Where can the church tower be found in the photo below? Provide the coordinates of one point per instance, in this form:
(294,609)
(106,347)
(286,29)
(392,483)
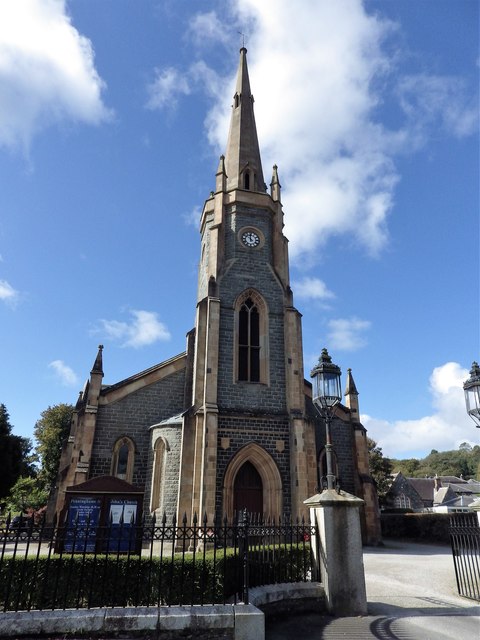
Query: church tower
(229,424)
(246,436)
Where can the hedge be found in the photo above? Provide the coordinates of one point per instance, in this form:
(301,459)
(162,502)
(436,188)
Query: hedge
(427,527)
(77,581)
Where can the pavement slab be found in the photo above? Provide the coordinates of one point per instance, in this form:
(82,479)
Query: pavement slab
(411,594)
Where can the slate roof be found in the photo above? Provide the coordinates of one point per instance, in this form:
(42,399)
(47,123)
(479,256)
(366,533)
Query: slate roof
(424,487)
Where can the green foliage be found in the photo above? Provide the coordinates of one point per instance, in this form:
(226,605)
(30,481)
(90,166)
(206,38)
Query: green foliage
(27,494)
(92,581)
(463,462)
(12,452)
(50,432)
(380,468)
(431,527)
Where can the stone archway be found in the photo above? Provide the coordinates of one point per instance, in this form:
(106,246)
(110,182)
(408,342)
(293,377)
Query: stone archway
(268,472)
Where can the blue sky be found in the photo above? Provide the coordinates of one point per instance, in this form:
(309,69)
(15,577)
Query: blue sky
(112,118)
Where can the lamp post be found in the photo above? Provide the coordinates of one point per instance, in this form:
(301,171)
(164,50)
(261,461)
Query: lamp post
(327,393)
(472,393)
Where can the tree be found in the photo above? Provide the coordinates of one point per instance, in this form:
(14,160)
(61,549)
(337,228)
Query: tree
(380,468)
(12,451)
(26,495)
(51,431)
(409,467)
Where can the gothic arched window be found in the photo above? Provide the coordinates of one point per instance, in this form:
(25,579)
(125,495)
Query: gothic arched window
(249,342)
(122,459)
(252,338)
(160,448)
(246,180)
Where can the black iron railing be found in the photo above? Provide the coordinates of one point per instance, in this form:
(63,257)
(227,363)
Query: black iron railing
(83,564)
(465,540)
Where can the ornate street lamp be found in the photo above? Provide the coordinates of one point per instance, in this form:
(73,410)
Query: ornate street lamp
(327,393)
(472,393)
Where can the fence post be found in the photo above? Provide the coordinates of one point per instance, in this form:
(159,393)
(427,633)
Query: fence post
(338,552)
(243,553)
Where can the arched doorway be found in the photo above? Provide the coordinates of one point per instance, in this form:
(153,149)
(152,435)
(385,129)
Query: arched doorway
(271,481)
(248,490)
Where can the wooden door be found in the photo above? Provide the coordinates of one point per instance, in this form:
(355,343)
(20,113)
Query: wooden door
(248,490)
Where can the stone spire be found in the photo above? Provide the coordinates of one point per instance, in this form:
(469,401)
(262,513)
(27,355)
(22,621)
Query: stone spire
(351,395)
(98,364)
(242,159)
(275,186)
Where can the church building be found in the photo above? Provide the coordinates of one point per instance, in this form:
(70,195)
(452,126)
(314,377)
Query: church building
(228,424)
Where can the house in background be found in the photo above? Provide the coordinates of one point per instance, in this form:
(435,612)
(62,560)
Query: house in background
(455,494)
(442,493)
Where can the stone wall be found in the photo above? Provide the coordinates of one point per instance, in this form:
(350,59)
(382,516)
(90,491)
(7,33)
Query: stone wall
(132,416)
(250,268)
(343,445)
(271,432)
(172,436)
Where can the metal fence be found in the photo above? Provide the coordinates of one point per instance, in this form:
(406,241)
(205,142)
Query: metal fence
(83,564)
(465,540)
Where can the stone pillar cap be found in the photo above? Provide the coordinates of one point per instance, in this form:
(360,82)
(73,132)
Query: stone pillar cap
(331,497)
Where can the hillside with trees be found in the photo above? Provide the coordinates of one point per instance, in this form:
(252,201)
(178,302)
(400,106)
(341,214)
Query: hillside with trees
(462,462)
(465,462)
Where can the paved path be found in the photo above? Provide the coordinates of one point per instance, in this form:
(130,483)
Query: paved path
(411,593)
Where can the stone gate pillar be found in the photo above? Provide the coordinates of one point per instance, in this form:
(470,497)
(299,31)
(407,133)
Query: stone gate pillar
(338,552)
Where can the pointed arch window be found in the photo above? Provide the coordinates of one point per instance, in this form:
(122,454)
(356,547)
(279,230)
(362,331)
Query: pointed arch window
(249,342)
(123,459)
(158,481)
(252,339)
(246,180)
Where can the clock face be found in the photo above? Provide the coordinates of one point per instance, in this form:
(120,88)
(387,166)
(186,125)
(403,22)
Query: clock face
(250,239)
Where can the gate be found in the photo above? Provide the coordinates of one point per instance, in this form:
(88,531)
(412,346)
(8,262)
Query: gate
(465,540)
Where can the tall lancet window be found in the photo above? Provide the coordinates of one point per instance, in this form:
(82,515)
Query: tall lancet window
(122,459)
(160,450)
(251,338)
(249,342)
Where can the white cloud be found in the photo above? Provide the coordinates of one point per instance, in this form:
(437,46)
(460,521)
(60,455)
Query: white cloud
(319,75)
(431,101)
(144,329)
(206,27)
(170,83)
(166,87)
(47,71)
(192,219)
(313,289)
(445,429)
(7,293)
(64,373)
(347,334)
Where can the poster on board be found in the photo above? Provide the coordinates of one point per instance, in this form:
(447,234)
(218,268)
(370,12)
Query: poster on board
(122,519)
(82,525)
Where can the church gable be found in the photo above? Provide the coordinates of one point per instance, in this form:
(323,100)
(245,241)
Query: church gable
(119,390)
(130,417)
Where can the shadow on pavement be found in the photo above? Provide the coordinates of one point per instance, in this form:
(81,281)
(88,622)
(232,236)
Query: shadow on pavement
(384,622)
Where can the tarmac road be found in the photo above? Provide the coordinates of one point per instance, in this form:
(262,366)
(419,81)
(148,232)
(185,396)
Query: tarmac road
(411,594)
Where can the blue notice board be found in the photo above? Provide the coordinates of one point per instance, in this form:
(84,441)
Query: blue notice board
(123,518)
(82,525)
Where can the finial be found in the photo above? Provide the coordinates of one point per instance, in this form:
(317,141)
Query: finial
(325,357)
(243,40)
